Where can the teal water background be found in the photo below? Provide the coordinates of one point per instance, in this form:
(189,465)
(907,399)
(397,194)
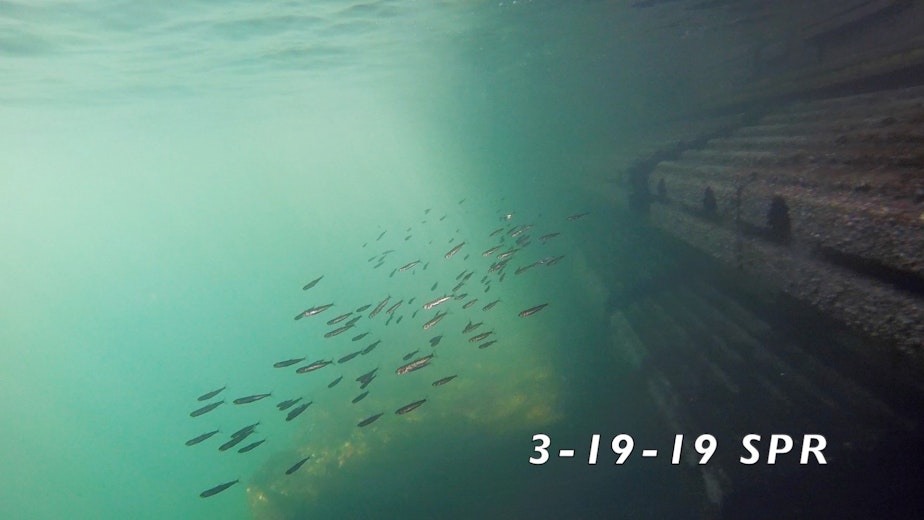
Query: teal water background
(172,173)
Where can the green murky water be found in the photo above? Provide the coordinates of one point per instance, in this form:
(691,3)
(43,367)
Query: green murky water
(172,174)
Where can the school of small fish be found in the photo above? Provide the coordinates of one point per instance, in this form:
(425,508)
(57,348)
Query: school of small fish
(507,243)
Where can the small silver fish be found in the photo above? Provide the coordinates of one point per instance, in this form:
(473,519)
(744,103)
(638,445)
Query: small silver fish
(471,326)
(218,489)
(349,356)
(409,265)
(414,365)
(434,303)
(443,381)
(251,446)
(340,330)
(519,231)
(285,405)
(369,420)
(394,307)
(480,337)
(436,319)
(299,464)
(251,398)
(313,366)
(312,283)
(297,411)
(410,407)
(454,250)
(371,346)
(288,362)
(315,310)
(490,305)
(489,252)
(532,310)
(378,308)
(209,395)
(507,254)
(200,438)
(340,318)
(523,269)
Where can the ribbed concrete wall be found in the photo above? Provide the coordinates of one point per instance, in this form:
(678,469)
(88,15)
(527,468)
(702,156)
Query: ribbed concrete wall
(850,172)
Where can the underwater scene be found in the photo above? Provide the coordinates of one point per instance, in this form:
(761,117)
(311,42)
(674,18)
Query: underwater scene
(434,259)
